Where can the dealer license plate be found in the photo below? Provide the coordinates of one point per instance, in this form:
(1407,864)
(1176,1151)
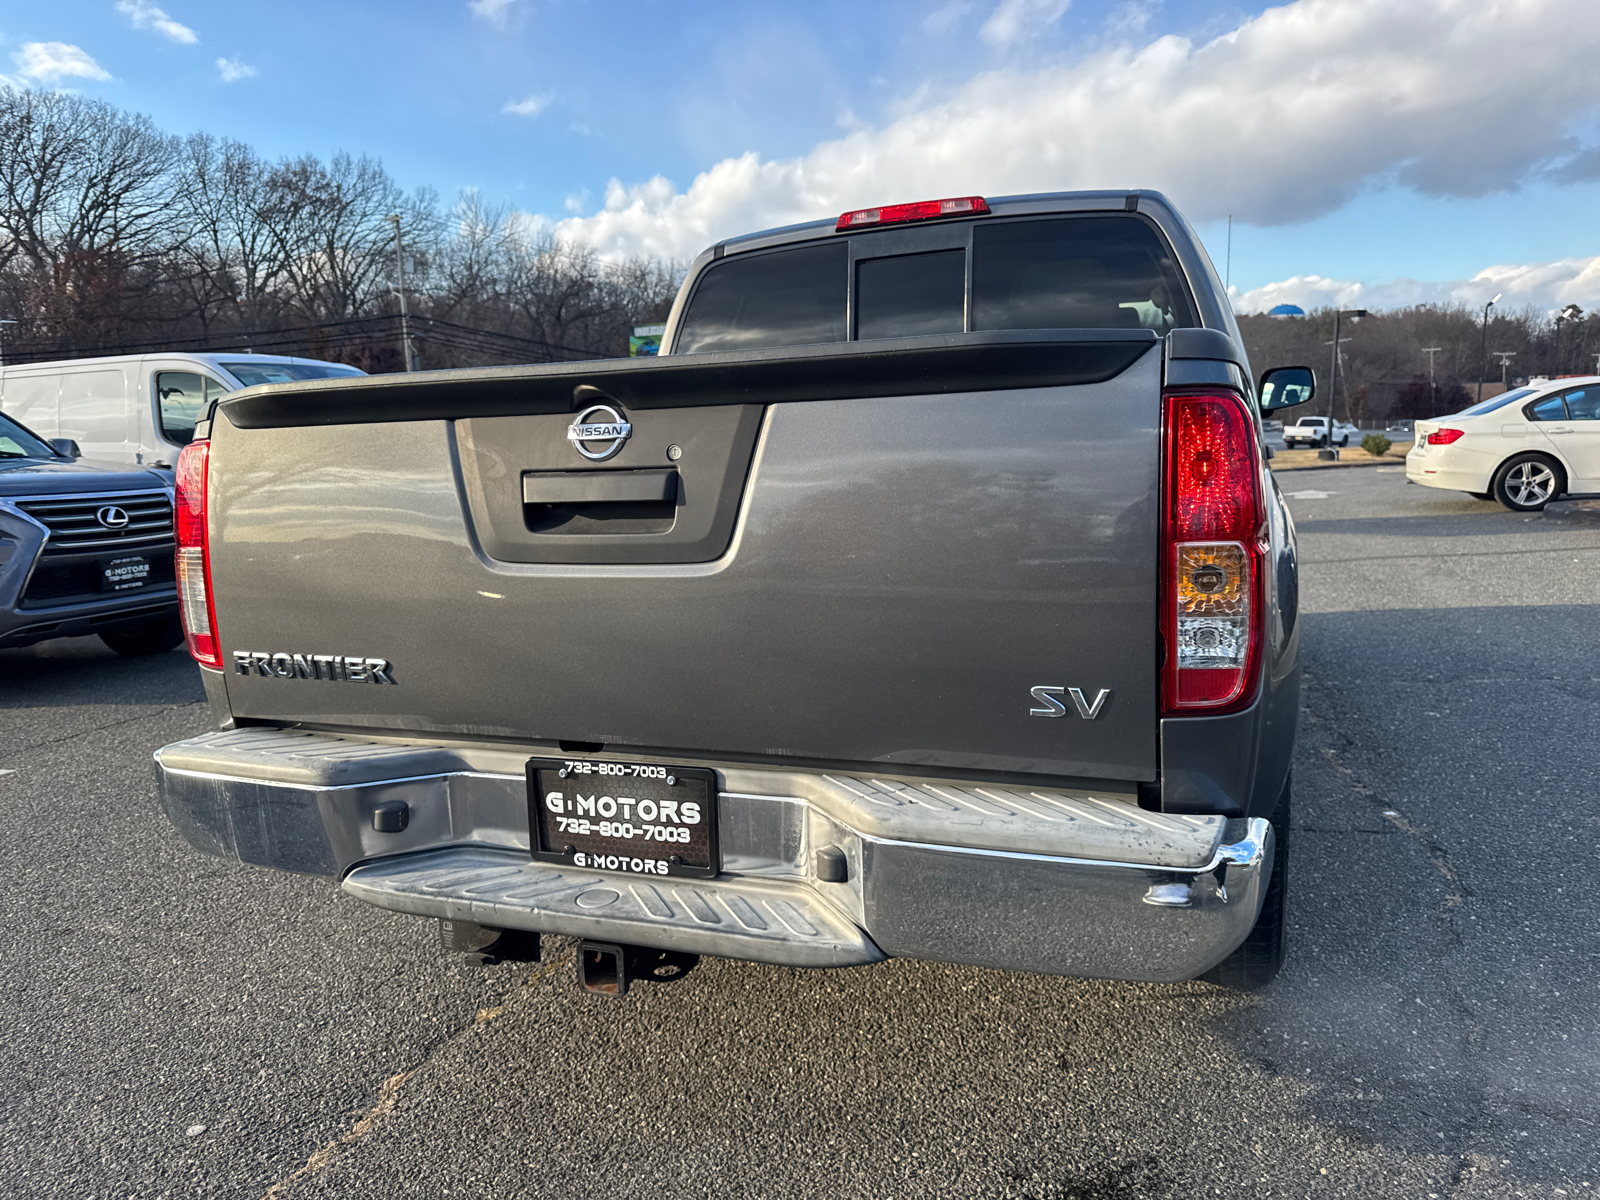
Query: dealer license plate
(120,574)
(642,818)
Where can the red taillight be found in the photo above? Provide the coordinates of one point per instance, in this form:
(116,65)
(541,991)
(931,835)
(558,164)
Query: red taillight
(1212,551)
(922,210)
(194,561)
(1443,437)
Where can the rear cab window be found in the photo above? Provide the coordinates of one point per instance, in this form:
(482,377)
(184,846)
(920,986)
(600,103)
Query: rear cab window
(1100,271)
(1075,273)
(782,298)
(904,295)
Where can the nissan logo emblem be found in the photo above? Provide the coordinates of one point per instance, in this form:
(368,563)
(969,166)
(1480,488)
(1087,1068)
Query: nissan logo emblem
(598,439)
(112,517)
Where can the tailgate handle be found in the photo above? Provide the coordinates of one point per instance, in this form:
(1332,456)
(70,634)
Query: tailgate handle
(600,487)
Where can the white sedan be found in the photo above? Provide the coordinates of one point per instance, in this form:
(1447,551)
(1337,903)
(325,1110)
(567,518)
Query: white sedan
(1523,448)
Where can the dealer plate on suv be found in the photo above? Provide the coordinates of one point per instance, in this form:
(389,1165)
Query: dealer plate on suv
(641,818)
(120,574)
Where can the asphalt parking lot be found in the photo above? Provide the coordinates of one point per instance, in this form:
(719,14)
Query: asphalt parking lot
(175,1025)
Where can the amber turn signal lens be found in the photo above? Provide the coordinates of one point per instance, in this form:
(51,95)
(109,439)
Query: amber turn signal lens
(1212,578)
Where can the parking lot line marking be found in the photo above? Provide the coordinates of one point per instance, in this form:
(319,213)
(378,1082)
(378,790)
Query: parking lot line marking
(8,770)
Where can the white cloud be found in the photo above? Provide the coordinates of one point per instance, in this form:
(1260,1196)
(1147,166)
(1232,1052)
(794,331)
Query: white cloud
(1543,286)
(531,107)
(1280,120)
(47,61)
(1130,18)
(147,16)
(232,70)
(1014,19)
(497,13)
(945,18)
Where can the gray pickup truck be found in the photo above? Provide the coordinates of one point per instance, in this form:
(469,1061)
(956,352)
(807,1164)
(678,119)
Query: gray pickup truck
(928,596)
(84,549)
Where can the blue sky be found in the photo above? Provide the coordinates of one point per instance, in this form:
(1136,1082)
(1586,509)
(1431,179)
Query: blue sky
(1399,155)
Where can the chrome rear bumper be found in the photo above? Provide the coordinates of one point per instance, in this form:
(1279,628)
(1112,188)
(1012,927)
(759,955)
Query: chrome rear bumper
(1039,880)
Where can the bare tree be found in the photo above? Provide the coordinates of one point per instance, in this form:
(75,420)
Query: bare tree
(223,187)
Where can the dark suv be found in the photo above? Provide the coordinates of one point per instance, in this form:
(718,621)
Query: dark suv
(83,549)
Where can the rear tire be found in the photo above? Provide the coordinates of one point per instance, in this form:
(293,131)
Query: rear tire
(1527,482)
(1260,956)
(153,637)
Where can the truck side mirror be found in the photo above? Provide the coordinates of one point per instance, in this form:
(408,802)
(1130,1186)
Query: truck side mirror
(1284,387)
(66,447)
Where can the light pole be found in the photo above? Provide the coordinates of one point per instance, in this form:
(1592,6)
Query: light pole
(1505,357)
(407,355)
(1484,349)
(1333,389)
(1433,388)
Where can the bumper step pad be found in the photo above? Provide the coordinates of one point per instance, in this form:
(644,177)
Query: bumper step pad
(758,920)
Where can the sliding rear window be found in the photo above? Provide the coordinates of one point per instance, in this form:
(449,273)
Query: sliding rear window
(1075,273)
(784,298)
(911,294)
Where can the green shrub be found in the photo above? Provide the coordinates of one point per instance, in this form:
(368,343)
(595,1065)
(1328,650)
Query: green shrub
(1376,444)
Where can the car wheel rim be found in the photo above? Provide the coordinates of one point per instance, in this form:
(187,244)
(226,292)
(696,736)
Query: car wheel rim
(1530,483)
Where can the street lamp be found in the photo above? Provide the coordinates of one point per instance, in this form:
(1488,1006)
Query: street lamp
(1333,389)
(1484,350)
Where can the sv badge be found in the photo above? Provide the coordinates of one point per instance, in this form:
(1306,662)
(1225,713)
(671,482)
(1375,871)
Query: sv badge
(1050,706)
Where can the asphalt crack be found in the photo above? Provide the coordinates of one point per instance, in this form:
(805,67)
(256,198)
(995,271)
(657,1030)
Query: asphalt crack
(1436,851)
(1332,745)
(164,710)
(390,1093)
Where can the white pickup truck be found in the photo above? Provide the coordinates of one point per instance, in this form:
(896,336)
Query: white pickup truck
(1313,431)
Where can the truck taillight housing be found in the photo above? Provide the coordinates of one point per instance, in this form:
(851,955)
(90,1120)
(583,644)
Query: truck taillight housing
(1212,552)
(194,560)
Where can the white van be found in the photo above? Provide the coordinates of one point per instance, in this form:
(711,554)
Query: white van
(138,409)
